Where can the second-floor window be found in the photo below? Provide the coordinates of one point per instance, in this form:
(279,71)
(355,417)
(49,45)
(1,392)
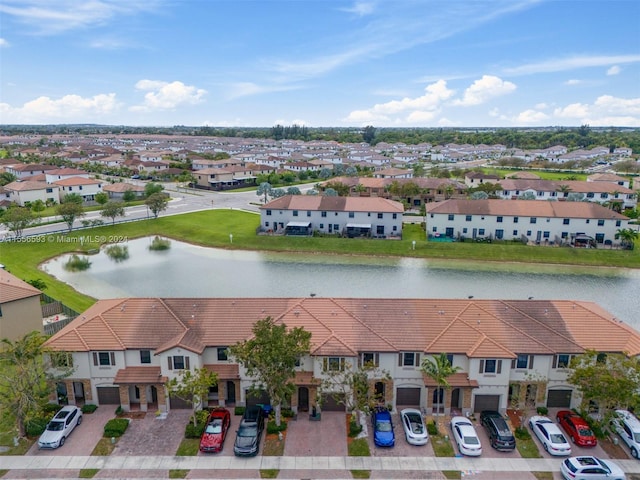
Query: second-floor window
(178,362)
(333,364)
(222,354)
(145,356)
(491,365)
(370,358)
(523,361)
(409,359)
(104,359)
(561,360)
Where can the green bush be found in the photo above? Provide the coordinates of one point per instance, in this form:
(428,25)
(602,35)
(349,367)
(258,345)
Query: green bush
(542,410)
(354,428)
(35,426)
(522,433)
(89,408)
(239,410)
(273,428)
(116,427)
(191,431)
(119,410)
(50,408)
(287,412)
(432,428)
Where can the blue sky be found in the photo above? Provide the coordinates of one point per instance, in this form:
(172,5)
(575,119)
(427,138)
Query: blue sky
(328,63)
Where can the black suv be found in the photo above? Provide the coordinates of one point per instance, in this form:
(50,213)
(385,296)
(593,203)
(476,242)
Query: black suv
(499,433)
(249,433)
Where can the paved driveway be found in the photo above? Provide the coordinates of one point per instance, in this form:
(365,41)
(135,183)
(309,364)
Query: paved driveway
(328,437)
(154,436)
(84,437)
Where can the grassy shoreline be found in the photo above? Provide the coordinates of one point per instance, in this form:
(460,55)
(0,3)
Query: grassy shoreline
(212,228)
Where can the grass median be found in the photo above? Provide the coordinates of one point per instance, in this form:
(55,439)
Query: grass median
(212,228)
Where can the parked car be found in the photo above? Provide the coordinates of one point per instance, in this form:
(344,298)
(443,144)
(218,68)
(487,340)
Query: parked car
(628,427)
(383,435)
(415,431)
(577,428)
(500,435)
(590,468)
(465,436)
(60,427)
(215,432)
(549,435)
(249,433)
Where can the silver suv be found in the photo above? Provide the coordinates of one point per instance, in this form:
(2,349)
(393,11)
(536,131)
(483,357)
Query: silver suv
(628,427)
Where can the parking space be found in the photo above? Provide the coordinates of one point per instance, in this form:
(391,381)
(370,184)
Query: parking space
(487,450)
(324,438)
(153,435)
(83,438)
(227,447)
(402,448)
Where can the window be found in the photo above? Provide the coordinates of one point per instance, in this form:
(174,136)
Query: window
(499,219)
(336,227)
(145,356)
(295,213)
(268,212)
(564,234)
(222,354)
(523,361)
(540,194)
(323,214)
(546,234)
(49,190)
(104,359)
(590,195)
(333,364)
(369,358)
(451,217)
(394,216)
(604,195)
(515,219)
(533,220)
(380,215)
(308,213)
(528,233)
(618,223)
(600,223)
(481,231)
(178,362)
(499,234)
(565,221)
(515,233)
(491,365)
(409,359)
(467,218)
(352,214)
(321,226)
(561,361)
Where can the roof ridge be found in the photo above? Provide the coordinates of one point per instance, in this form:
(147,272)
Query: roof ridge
(362,323)
(448,327)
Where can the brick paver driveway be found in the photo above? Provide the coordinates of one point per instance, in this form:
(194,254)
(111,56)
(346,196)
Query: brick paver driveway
(152,436)
(326,438)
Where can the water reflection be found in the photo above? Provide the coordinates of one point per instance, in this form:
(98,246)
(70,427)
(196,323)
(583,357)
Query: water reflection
(191,271)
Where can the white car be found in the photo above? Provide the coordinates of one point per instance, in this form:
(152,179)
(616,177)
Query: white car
(415,431)
(549,434)
(628,427)
(60,427)
(590,468)
(464,433)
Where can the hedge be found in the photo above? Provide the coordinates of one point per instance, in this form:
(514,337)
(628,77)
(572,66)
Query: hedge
(116,427)
(89,408)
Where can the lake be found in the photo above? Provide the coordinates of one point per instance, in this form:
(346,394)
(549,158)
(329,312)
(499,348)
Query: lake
(187,270)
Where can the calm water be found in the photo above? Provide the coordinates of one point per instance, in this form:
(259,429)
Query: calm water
(190,271)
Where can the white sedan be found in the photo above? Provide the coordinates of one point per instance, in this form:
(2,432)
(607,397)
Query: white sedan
(415,430)
(464,433)
(550,436)
(591,468)
(60,427)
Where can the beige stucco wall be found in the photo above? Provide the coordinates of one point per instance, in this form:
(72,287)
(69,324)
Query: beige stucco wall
(20,317)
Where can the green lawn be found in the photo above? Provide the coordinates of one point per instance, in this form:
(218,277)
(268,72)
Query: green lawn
(543,174)
(212,228)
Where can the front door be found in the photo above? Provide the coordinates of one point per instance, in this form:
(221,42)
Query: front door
(303,399)
(231,392)
(78,391)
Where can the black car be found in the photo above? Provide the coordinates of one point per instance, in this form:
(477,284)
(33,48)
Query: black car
(249,433)
(500,435)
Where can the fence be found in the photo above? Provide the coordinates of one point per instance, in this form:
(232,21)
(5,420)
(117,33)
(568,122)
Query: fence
(50,307)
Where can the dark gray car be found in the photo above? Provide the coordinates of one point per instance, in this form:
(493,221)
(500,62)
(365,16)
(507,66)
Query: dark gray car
(500,435)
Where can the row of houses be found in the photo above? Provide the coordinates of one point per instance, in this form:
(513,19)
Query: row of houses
(124,351)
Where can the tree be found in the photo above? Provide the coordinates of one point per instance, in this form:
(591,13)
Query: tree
(38,283)
(38,206)
(368,134)
(101,198)
(439,369)
(330,192)
(25,378)
(270,358)
(278,192)
(72,198)
(157,203)
(193,387)
(151,188)
(6,178)
(17,219)
(70,211)
(129,196)
(627,237)
(611,380)
(293,191)
(325,173)
(112,209)
(264,189)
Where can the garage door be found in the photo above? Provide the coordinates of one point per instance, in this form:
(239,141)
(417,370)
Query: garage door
(559,398)
(108,395)
(256,398)
(178,403)
(409,397)
(486,402)
(332,404)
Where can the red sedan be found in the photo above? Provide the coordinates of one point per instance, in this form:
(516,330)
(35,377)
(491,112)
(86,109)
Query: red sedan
(216,430)
(577,428)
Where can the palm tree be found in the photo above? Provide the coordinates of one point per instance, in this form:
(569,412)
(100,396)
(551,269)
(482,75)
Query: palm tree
(439,369)
(627,237)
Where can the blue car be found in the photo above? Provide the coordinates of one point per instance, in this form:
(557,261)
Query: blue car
(383,435)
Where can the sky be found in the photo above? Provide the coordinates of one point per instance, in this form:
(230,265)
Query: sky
(327,63)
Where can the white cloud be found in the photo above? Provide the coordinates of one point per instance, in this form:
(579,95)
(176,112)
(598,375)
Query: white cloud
(573,110)
(541,106)
(615,70)
(484,89)
(70,108)
(611,104)
(360,8)
(573,81)
(163,95)
(530,117)
(3,43)
(571,63)
(605,111)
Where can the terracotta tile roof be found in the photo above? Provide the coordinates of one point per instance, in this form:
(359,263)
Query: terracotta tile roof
(12,288)
(346,326)
(27,185)
(225,371)
(333,204)
(72,181)
(555,185)
(122,187)
(140,375)
(459,379)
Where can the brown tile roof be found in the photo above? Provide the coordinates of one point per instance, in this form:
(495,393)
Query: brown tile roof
(72,181)
(339,204)
(26,185)
(459,379)
(140,375)
(12,288)
(225,371)
(555,185)
(345,326)
(524,208)
(122,187)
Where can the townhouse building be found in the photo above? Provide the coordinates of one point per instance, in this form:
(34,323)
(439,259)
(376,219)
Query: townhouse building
(20,310)
(552,223)
(28,191)
(87,188)
(347,216)
(124,351)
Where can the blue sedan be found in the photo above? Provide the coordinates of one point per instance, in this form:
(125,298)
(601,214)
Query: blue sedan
(383,435)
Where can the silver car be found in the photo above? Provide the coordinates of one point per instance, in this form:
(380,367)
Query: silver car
(415,430)
(60,427)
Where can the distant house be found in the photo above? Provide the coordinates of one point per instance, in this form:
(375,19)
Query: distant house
(609,177)
(24,171)
(87,188)
(393,173)
(526,220)
(474,179)
(346,216)
(116,191)
(64,173)
(20,311)
(29,191)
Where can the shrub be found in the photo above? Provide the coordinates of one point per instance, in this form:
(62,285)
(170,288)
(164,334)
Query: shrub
(50,408)
(160,244)
(77,264)
(239,410)
(191,431)
(432,428)
(273,428)
(116,427)
(287,412)
(542,410)
(35,426)
(522,433)
(89,408)
(117,253)
(354,427)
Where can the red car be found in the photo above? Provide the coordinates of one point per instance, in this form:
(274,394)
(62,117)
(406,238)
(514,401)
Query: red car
(577,428)
(216,430)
